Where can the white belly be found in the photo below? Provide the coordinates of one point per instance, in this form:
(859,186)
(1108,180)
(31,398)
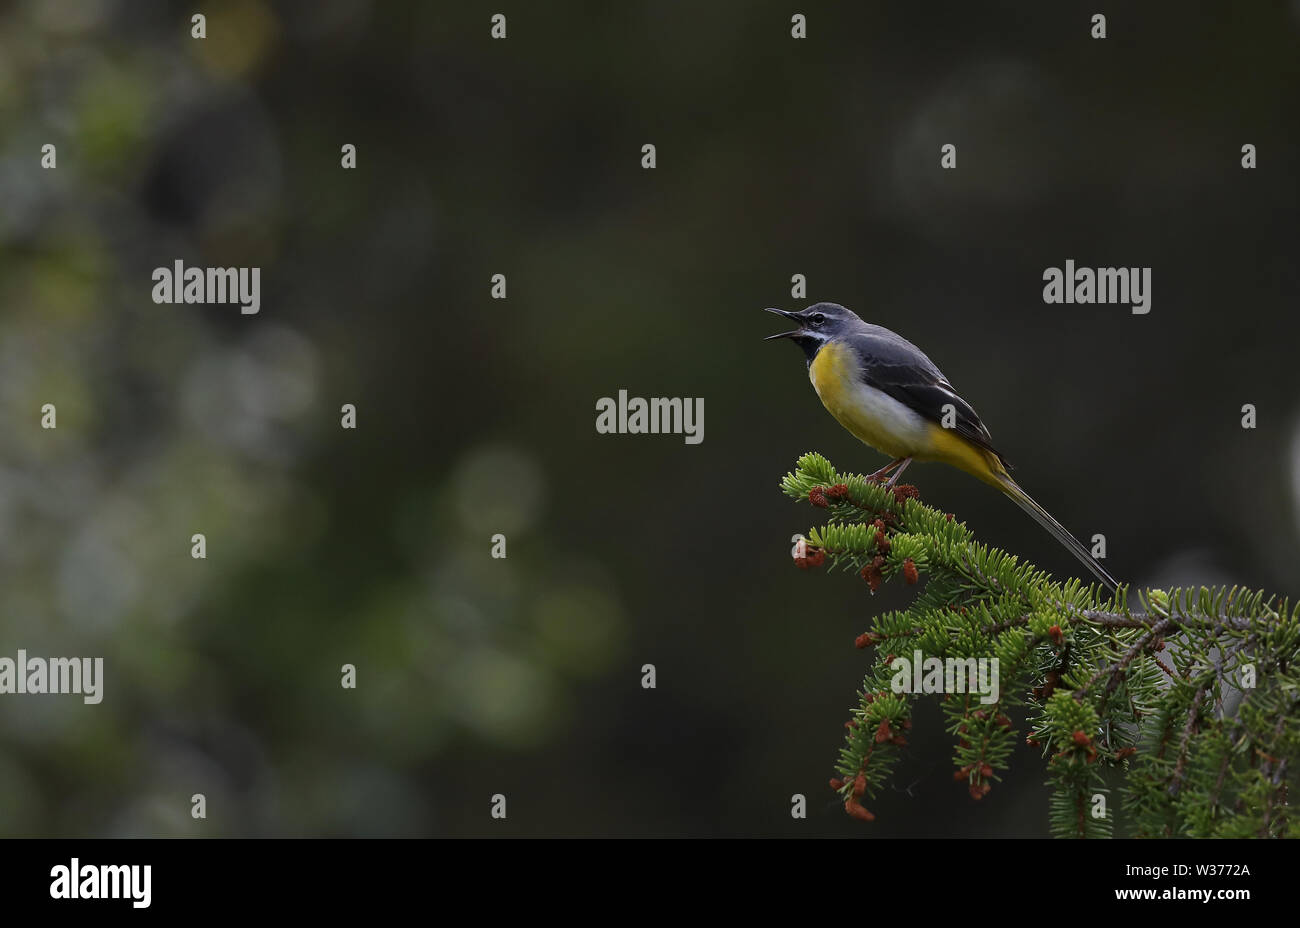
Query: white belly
(876,418)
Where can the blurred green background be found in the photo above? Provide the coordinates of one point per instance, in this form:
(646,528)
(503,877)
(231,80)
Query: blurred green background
(522,157)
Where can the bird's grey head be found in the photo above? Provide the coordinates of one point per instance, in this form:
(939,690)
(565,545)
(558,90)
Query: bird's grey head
(818,324)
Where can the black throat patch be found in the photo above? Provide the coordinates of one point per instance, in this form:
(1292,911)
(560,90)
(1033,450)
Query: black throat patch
(810,345)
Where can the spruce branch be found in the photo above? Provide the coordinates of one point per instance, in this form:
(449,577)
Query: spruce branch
(1192,695)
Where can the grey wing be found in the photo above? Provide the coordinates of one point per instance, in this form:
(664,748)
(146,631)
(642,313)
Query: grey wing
(898,368)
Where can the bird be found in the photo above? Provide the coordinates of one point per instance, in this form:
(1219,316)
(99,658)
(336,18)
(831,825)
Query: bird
(890,396)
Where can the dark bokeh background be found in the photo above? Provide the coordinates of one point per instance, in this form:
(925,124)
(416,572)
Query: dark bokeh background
(476,416)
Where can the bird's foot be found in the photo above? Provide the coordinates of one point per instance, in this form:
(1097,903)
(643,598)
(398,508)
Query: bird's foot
(880,475)
(902,466)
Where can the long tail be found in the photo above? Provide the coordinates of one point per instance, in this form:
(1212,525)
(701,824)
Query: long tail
(1044,518)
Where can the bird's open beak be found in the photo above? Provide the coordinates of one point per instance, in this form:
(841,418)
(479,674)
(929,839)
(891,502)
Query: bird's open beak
(782,312)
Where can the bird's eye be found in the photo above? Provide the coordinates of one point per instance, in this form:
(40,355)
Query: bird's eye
(817,319)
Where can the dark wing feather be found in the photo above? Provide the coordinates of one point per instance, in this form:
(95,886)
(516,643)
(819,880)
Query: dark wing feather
(895,366)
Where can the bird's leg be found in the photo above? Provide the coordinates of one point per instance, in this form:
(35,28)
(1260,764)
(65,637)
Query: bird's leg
(898,473)
(880,474)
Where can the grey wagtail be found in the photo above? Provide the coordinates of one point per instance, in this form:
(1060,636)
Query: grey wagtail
(884,390)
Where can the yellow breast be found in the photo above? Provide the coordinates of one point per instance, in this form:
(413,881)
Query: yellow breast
(872,415)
